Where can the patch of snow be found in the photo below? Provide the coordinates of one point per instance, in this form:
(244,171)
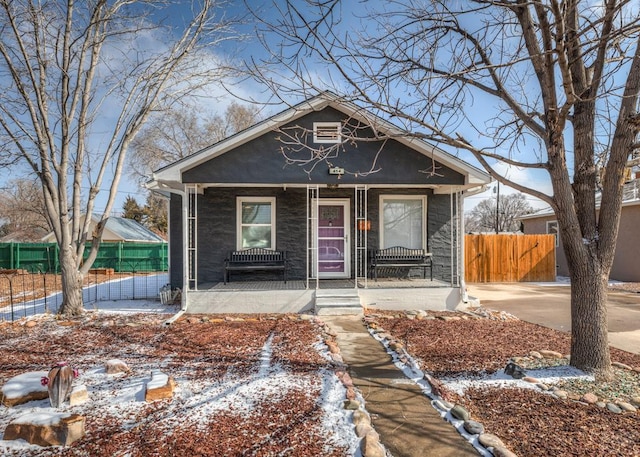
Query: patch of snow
(23,384)
(499,379)
(41,418)
(336,421)
(158,379)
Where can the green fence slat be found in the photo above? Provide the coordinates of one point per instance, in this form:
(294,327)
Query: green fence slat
(121,256)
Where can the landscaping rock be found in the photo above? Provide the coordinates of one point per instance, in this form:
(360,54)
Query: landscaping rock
(363,429)
(351,393)
(460,413)
(160,387)
(601,404)
(635,401)
(536,355)
(589,398)
(24,388)
(115,366)
(333,347)
(360,417)
(370,446)
(628,407)
(501,451)
(441,405)
(550,354)
(542,386)
(614,408)
(473,427)
(560,394)
(531,380)
(514,370)
(351,404)
(622,366)
(490,440)
(78,395)
(46,429)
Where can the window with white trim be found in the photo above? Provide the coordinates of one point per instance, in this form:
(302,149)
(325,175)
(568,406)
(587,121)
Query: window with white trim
(327,132)
(403,221)
(552,229)
(256,227)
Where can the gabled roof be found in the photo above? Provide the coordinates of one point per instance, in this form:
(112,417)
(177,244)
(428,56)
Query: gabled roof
(120,229)
(131,230)
(170,176)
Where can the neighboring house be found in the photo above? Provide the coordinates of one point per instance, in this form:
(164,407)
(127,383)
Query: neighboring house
(23,236)
(243,192)
(626,264)
(118,229)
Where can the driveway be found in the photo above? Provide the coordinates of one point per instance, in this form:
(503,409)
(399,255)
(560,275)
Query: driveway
(548,304)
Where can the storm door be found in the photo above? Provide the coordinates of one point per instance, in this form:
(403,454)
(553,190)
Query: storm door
(333,239)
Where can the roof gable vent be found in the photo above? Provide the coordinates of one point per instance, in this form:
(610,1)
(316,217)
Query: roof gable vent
(327,132)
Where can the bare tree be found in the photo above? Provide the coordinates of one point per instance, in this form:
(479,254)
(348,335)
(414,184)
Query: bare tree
(22,209)
(548,86)
(78,80)
(178,133)
(500,216)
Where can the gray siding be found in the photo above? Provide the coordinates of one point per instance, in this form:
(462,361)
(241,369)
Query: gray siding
(260,161)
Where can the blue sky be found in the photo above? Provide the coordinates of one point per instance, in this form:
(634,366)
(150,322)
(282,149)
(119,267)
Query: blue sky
(180,13)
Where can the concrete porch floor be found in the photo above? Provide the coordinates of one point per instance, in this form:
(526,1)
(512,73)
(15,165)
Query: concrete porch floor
(382,283)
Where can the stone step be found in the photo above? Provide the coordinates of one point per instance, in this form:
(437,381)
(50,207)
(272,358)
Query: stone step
(337,302)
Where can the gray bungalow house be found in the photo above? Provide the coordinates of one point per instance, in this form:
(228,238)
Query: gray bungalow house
(329,187)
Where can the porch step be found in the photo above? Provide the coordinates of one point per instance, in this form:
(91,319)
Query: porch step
(334,302)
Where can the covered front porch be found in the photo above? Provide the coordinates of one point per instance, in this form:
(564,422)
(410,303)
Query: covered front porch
(325,297)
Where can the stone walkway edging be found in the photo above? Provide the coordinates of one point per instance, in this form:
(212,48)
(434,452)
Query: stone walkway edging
(485,443)
(370,445)
(406,363)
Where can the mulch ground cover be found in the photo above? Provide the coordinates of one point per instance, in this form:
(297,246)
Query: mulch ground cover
(531,422)
(247,386)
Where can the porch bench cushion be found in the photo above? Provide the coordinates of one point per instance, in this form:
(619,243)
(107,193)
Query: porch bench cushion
(256,259)
(400,257)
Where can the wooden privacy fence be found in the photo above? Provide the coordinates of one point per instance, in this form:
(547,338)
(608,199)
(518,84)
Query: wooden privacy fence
(510,258)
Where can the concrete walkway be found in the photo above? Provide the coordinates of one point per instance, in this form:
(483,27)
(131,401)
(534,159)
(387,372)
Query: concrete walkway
(401,414)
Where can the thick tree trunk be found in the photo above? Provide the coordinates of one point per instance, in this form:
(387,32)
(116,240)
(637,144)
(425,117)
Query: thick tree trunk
(589,334)
(72,304)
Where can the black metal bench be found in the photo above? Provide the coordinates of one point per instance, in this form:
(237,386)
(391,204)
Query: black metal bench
(255,259)
(400,257)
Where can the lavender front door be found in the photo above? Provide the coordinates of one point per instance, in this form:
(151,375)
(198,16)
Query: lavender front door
(333,239)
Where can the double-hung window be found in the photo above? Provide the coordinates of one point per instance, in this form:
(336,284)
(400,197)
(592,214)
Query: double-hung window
(403,221)
(256,222)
